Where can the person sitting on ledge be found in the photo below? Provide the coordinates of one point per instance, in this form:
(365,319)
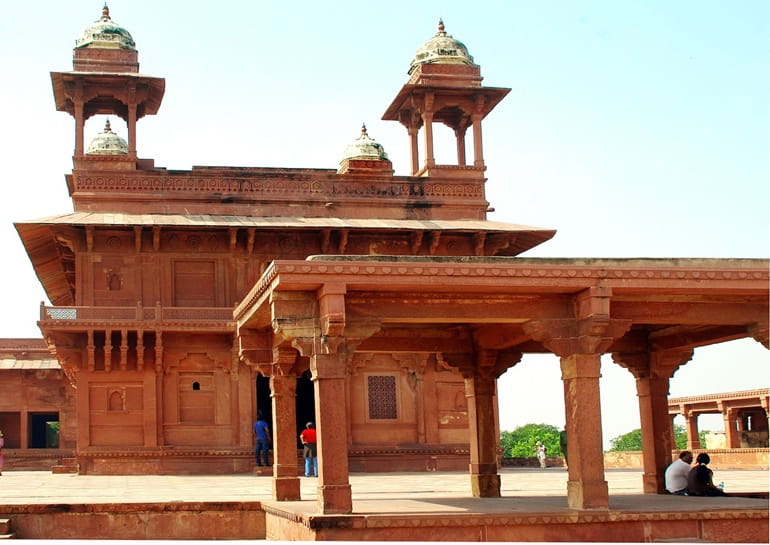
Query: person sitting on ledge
(677,473)
(699,481)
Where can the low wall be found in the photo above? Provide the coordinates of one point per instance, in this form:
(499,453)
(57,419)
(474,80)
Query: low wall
(41,459)
(174,520)
(736,458)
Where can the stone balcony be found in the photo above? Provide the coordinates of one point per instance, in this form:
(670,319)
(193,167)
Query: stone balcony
(158,317)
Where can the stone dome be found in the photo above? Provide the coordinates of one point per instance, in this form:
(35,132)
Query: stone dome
(106,34)
(441,49)
(364,147)
(107,143)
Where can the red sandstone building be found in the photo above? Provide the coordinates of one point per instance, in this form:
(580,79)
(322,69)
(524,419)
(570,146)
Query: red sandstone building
(381,307)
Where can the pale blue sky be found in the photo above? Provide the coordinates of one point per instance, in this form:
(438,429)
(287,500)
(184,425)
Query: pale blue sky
(634,128)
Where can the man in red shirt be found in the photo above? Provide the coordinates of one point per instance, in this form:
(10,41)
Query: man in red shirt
(309,452)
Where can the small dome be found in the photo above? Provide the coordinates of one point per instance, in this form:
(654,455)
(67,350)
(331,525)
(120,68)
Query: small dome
(441,49)
(107,143)
(105,33)
(364,147)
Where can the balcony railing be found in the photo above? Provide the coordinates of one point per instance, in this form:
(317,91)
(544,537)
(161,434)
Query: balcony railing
(138,313)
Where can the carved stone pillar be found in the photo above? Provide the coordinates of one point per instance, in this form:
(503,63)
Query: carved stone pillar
(329,385)
(732,436)
(580,343)
(478,148)
(480,391)
(652,371)
(693,435)
(283,392)
(414,148)
(427,121)
(480,372)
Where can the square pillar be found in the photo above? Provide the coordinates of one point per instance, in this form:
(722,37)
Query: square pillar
(329,380)
(586,486)
(693,435)
(480,391)
(283,391)
(653,371)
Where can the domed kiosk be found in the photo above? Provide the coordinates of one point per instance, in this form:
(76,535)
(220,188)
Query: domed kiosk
(365,155)
(106,80)
(444,87)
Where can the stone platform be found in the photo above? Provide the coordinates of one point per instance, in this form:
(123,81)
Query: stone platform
(434,506)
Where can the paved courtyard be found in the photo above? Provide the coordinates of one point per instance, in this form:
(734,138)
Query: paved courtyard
(41,487)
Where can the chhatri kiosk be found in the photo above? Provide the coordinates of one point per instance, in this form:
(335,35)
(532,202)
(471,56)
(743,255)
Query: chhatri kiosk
(381,307)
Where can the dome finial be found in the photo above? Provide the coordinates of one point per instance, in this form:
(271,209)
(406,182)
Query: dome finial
(107,127)
(440,25)
(106,12)
(363,128)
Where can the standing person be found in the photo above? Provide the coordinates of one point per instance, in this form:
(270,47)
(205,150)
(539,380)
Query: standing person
(699,481)
(677,473)
(540,450)
(262,431)
(309,452)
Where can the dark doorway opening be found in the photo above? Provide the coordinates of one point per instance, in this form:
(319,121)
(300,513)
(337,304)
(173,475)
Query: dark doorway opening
(305,403)
(43,430)
(264,403)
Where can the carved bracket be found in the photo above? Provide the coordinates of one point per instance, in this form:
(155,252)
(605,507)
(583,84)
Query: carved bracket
(566,337)
(759,331)
(655,365)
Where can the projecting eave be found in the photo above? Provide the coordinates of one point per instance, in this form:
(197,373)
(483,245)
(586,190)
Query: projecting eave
(149,92)
(52,242)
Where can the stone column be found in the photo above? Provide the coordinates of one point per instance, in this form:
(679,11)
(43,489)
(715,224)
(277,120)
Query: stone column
(79,119)
(732,436)
(283,392)
(414,149)
(586,486)
(478,152)
(485,482)
(691,423)
(334,491)
(652,371)
(427,120)
(460,139)
(132,106)
(580,342)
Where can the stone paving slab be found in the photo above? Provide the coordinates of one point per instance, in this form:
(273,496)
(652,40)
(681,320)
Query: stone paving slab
(411,491)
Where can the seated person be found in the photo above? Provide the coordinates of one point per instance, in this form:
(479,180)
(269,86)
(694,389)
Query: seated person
(677,473)
(699,481)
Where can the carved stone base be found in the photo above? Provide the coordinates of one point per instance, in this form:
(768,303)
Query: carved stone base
(485,486)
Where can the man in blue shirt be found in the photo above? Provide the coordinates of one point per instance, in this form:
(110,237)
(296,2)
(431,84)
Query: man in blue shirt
(262,431)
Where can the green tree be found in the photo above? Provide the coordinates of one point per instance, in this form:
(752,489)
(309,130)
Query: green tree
(521,441)
(633,439)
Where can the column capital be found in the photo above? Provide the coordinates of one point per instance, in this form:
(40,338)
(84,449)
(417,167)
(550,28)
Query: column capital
(567,337)
(654,365)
